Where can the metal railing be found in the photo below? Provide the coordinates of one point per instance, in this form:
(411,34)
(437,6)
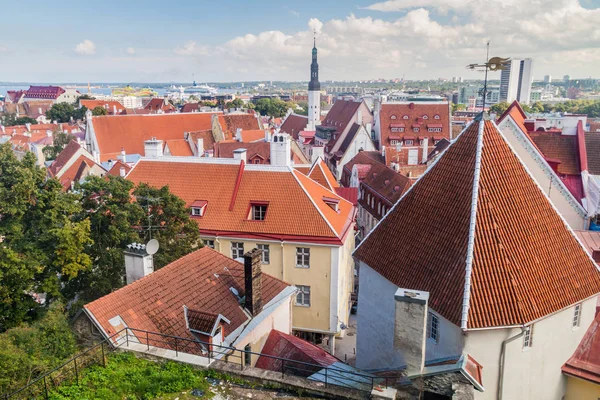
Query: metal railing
(129,338)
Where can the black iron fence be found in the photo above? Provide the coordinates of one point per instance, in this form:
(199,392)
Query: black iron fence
(339,374)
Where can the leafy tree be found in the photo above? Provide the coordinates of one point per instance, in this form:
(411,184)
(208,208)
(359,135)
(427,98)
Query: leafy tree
(99,111)
(60,140)
(526,108)
(458,107)
(84,97)
(11,119)
(499,108)
(304,108)
(273,107)
(64,112)
(537,107)
(43,245)
(235,103)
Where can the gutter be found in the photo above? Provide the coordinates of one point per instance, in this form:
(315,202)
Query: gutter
(502,355)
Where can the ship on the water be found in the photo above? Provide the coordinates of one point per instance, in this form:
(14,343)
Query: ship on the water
(131,91)
(195,89)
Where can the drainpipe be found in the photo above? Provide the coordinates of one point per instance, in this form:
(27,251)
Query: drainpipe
(502,354)
(282,262)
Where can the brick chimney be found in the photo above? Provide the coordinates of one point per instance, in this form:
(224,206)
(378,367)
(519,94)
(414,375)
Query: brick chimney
(253,281)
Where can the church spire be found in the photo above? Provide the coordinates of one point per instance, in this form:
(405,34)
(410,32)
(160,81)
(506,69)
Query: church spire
(314,68)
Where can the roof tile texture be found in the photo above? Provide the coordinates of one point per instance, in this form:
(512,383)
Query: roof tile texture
(524,255)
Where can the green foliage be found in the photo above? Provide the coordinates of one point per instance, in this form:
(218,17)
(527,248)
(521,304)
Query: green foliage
(128,377)
(458,107)
(99,111)
(64,112)
(84,97)
(60,140)
(273,107)
(303,108)
(12,120)
(499,108)
(43,240)
(28,351)
(235,103)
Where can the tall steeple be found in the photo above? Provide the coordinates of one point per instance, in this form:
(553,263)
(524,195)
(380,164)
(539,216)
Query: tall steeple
(314,92)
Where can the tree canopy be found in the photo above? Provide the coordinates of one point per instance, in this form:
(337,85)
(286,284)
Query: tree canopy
(60,140)
(273,107)
(11,119)
(64,112)
(99,111)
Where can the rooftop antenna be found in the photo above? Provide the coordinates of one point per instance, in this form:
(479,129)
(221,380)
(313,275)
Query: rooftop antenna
(491,64)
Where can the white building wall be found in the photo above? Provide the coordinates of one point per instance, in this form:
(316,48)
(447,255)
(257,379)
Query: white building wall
(533,373)
(362,140)
(559,195)
(314,110)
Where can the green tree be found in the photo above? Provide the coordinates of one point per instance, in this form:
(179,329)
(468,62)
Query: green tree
(60,140)
(273,107)
(499,108)
(235,103)
(537,107)
(99,111)
(43,244)
(304,108)
(11,119)
(84,97)
(64,112)
(458,107)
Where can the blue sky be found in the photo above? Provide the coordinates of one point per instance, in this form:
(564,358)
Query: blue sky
(246,40)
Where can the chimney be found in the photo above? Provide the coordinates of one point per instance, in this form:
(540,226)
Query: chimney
(596,255)
(281,149)
(110,164)
(114,110)
(410,328)
(40,110)
(122,172)
(28,126)
(200,147)
(138,263)
(123,155)
(153,148)
(267,135)
(425,148)
(240,154)
(253,282)
(238,134)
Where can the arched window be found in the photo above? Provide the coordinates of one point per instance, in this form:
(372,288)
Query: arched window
(405,117)
(393,117)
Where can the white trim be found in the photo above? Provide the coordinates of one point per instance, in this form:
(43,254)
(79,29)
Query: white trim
(257,240)
(472,224)
(434,163)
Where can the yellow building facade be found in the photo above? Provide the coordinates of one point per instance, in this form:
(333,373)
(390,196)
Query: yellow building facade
(580,389)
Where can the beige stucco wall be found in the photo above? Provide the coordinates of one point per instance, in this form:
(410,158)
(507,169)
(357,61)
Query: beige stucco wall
(318,316)
(561,200)
(535,372)
(579,389)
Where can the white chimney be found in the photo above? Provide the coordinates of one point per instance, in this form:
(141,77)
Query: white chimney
(48,133)
(28,126)
(153,148)
(200,147)
(110,164)
(123,155)
(425,150)
(240,154)
(238,134)
(410,328)
(138,263)
(114,110)
(281,149)
(122,172)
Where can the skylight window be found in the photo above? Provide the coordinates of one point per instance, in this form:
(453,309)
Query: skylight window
(258,211)
(331,202)
(198,208)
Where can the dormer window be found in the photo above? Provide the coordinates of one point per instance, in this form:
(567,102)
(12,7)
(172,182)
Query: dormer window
(408,142)
(393,117)
(425,117)
(258,211)
(436,117)
(405,117)
(332,203)
(416,129)
(198,208)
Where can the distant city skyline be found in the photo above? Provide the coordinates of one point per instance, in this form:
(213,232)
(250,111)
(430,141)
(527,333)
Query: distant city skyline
(155,41)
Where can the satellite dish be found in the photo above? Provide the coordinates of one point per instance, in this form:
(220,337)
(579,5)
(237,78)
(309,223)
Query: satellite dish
(152,246)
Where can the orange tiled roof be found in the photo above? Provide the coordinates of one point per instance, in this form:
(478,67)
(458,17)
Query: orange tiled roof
(63,157)
(517,114)
(109,105)
(253,135)
(155,302)
(412,115)
(295,202)
(523,252)
(559,147)
(231,122)
(179,148)
(116,168)
(321,174)
(75,172)
(130,131)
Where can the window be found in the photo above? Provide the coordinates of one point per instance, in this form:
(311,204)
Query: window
(258,212)
(393,117)
(209,243)
(408,142)
(303,296)
(199,208)
(436,117)
(434,129)
(302,257)
(415,129)
(196,211)
(425,117)
(577,315)
(405,117)
(528,337)
(237,250)
(433,327)
(393,142)
(265,257)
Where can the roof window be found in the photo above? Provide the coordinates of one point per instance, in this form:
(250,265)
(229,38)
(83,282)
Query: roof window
(425,117)
(436,116)
(198,208)
(393,117)
(405,117)
(332,203)
(258,211)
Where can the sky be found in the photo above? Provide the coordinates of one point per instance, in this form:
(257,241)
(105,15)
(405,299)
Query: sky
(241,40)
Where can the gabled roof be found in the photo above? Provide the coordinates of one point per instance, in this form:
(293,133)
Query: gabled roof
(200,280)
(44,92)
(562,148)
(295,202)
(130,131)
(231,122)
(116,168)
(585,362)
(63,157)
(349,137)
(364,157)
(516,113)
(109,105)
(387,183)
(469,232)
(226,149)
(294,124)
(160,104)
(341,114)
(253,135)
(320,173)
(77,171)
(190,107)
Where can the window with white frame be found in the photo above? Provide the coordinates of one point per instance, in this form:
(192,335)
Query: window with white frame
(415,129)
(258,212)
(408,142)
(237,250)
(393,117)
(433,327)
(528,337)
(393,142)
(303,296)
(577,315)
(266,255)
(405,117)
(302,257)
(425,117)
(209,243)
(436,117)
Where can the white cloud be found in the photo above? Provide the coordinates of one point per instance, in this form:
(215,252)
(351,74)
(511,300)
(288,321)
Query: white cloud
(190,48)
(130,50)
(86,48)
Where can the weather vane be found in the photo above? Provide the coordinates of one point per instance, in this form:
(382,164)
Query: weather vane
(492,64)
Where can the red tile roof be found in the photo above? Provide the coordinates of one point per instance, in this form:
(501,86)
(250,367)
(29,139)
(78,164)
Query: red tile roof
(362,157)
(116,168)
(260,149)
(202,321)
(201,281)
(559,147)
(76,172)
(585,362)
(231,122)
(295,202)
(517,114)
(294,124)
(179,148)
(130,131)
(160,104)
(341,114)
(321,174)
(592,144)
(522,250)
(413,115)
(350,194)
(37,109)
(190,107)
(253,135)
(44,92)
(109,105)
(290,347)
(63,157)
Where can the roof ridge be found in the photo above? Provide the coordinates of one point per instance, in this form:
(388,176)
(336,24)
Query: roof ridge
(472,224)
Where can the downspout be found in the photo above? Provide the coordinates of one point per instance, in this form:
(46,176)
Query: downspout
(502,354)
(282,262)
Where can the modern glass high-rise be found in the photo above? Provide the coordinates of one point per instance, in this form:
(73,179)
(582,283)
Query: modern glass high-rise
(515,81)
